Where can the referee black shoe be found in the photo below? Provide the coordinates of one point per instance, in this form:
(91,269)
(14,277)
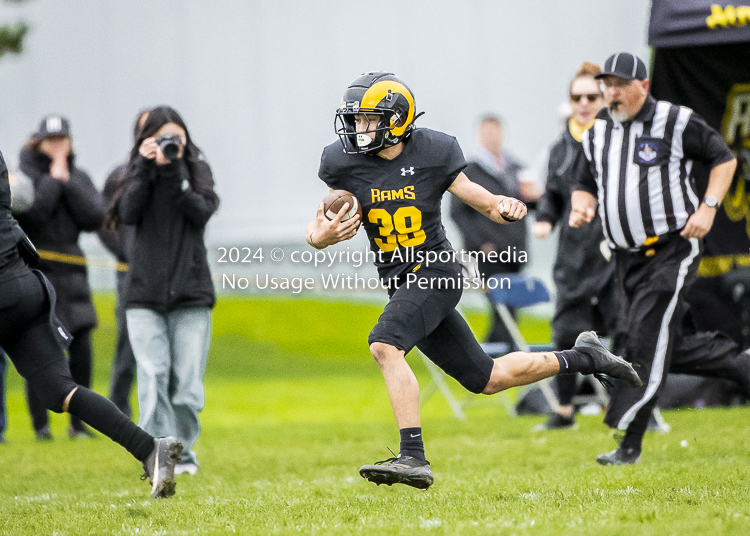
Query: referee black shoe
(620,456)
(399,470)
(159,466)
(606,362)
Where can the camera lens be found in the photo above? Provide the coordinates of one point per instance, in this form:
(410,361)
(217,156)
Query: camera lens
(169,145)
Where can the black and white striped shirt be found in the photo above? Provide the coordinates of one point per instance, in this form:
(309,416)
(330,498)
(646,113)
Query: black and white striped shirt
(640,170)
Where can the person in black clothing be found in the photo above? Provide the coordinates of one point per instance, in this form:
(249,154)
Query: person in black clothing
(587,295)
(636,163)
(399,174)
(34,338)
(22,197)
(66,203)
(120,243)
(169,291)
(500,174)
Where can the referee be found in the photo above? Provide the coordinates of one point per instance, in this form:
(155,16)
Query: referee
(636,163)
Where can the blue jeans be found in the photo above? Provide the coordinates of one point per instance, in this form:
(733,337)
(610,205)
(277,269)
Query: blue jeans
(171,352)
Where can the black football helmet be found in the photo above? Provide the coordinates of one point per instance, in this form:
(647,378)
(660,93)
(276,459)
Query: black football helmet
(386,101)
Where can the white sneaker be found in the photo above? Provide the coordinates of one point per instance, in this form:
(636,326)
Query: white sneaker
(188,467)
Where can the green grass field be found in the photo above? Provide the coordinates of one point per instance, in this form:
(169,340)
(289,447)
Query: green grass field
(295,405)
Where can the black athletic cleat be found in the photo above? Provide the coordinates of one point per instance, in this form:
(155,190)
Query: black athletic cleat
(556,422)
(606,362)
(159,466)
(620,456)
(400,470)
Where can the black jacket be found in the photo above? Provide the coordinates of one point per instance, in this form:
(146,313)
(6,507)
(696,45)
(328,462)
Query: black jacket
(580,268)
(120,241)
(11,265)
(168,268)
(11,234)
(61,211)
(477,229)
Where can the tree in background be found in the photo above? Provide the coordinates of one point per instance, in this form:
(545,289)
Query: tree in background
(11,35)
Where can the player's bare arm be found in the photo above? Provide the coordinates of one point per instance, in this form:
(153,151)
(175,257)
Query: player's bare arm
(498,208)
(582,208)
(322,233)
(719,182)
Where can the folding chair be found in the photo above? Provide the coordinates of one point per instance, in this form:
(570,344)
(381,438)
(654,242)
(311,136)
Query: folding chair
(511,290)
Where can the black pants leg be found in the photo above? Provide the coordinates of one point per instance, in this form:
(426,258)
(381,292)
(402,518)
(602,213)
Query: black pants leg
(123,367)
(712,354)
(27,336)
(566,385)
(453,347)
(655,287)
(37,409)
(80,369)
(79,361)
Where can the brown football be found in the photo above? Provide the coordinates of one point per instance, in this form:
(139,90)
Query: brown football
(333,202)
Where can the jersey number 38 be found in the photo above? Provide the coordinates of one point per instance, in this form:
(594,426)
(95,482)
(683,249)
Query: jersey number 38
(406,221)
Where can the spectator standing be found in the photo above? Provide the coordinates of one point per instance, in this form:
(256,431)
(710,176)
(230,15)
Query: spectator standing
(119,242)
(498,173)
(169,291)
(587,295)
(66,203)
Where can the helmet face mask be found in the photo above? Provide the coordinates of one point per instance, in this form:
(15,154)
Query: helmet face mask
(385,103)
(359,142)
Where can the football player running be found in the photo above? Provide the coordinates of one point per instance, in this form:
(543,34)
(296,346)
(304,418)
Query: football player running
(399,174)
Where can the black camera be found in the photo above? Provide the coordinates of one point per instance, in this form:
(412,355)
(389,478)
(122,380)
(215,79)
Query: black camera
(169,145)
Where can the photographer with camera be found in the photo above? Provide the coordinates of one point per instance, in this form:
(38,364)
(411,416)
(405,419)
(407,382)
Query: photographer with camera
(168,194)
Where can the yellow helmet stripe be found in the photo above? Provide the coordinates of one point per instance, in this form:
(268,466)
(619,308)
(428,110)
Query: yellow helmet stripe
(377,93)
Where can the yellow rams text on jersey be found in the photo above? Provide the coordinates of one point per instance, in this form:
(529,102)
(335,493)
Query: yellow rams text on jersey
(387,195)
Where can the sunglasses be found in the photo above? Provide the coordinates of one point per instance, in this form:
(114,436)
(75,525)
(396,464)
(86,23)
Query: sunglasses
(591,97)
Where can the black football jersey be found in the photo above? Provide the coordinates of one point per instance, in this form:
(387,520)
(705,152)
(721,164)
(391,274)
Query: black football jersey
(400,198)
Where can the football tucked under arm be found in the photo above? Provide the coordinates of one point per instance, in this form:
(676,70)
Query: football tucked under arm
(336,199)
(339,217)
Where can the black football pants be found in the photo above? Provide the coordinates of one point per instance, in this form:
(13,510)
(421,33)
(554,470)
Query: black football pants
(655,287)
(26,335)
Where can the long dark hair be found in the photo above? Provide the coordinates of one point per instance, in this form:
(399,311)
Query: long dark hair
(201,180)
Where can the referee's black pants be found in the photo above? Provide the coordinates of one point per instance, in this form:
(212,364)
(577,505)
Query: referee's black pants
(656,282)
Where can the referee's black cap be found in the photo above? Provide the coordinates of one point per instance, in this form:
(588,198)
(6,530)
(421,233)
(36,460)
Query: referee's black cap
(624,65)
